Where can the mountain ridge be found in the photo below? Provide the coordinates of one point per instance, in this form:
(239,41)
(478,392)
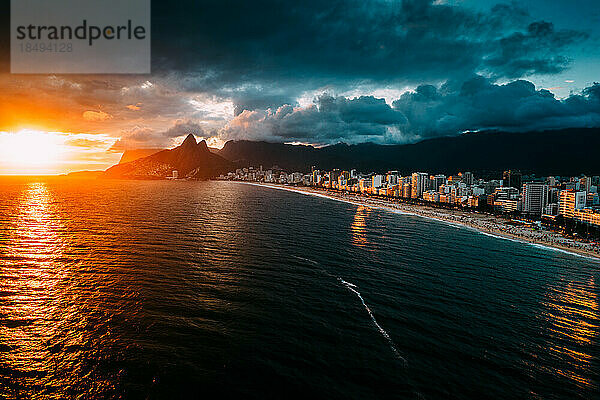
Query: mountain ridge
(191,159)
(566,152)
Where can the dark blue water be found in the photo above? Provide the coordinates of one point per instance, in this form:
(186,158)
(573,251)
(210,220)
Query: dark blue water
(114,289)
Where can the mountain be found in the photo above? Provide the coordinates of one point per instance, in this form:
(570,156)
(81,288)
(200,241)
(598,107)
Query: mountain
(564,152)
(190,159)
(135,154)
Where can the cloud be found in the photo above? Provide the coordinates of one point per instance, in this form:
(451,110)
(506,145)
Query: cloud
(480,104)
(144,137)
(140,137)
(184,128)
(266,53)
(428,111)
(535,51)
(251,69)
(87,143)
(96,116)
(329,119)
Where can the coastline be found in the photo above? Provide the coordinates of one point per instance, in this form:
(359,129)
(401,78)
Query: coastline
(484,224)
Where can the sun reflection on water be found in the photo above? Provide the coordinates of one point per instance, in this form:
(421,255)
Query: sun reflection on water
(38,313)
(28,284)
(359,226)
(573,313)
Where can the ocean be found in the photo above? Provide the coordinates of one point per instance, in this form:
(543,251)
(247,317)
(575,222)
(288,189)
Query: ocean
(173,289)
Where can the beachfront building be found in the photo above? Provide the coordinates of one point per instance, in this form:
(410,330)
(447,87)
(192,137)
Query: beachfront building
(551,209)
(364,184)
(535,198)
(431,196)
(392,178)
(377,181)
(506,193)
(419,183)
(437,181)
(406,190)
(507,206)
(588,216)
(569,201)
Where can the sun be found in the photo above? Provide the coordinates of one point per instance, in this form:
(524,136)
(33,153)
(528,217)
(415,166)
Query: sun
(30,150)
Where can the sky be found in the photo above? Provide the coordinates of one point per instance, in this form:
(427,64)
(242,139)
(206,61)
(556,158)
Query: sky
(317,72)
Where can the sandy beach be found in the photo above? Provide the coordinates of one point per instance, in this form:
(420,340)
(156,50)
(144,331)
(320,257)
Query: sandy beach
(487,224)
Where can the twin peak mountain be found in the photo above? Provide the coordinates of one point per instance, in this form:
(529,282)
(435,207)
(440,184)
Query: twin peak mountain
(565,152)
(190,159)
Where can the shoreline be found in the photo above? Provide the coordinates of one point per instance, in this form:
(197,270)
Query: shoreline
(481,223)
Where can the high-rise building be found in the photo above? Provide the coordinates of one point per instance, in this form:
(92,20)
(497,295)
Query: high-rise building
(585,183)
(316,176)
(511,178)
(569,201)
(377,181)
(406,190)
(437,181)
(535,198)
(419,184)
(467,178)
(364,184)
(392,178)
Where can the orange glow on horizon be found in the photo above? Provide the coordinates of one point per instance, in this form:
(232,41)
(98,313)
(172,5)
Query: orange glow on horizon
(30,150)
(38,152)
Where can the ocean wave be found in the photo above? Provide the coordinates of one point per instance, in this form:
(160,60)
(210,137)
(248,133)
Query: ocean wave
(352,287)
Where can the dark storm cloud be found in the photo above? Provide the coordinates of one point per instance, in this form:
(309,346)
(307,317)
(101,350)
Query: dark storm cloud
(254,60)
(480,104)
(328,120)
(428,111)
(535,51)
(266,53)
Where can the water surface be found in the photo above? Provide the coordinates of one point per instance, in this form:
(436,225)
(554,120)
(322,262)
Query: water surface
(181,289)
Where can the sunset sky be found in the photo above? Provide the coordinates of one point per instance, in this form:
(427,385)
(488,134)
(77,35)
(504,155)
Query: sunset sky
(313,72)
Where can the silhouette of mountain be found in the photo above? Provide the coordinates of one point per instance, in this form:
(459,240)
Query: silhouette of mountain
(190,159)
(553,152)
(135,154)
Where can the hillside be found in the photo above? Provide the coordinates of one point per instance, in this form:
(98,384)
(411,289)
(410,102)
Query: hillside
(190,159)
(554,152)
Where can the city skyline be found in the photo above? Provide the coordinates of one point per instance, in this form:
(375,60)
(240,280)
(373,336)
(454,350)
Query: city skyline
(553,200)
